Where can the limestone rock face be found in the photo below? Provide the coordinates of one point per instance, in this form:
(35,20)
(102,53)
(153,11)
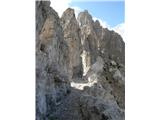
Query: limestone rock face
(69,23)
(80,67)
(51,60)
(112,46)
(88,40)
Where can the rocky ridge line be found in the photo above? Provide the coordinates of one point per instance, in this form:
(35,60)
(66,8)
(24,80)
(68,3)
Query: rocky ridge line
(80,67)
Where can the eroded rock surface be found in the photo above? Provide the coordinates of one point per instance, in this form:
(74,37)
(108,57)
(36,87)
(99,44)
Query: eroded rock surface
(51,61)
(88,40)
(69,23)
(80,67)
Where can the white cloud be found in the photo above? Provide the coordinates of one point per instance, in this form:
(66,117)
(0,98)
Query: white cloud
(120,28)
(60,5)
(103,23)
(77,10)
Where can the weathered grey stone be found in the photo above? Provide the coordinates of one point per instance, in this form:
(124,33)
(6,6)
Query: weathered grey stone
(67,48)
(117,75)
(51,59)
(89,40)
(69,23)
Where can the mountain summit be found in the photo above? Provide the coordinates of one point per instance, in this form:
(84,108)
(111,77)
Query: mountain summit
(80,67)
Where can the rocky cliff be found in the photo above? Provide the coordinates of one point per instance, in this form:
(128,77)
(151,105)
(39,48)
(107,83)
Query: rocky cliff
(80,67)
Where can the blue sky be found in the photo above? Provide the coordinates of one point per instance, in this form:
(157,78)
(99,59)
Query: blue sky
(111,12)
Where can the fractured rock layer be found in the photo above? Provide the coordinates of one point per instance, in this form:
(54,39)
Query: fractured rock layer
(69,23)
(80,67)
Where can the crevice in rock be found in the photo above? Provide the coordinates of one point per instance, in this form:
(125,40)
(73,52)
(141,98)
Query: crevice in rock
(79,67)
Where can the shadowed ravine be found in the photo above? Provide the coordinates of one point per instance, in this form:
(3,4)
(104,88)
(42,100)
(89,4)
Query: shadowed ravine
(80,67)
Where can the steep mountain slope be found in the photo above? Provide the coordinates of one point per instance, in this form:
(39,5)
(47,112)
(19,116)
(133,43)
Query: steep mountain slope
(80,67)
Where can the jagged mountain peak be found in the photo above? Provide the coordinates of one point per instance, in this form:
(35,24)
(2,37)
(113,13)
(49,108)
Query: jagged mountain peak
(79,67)
(97,23)
(84,18)
(69,11)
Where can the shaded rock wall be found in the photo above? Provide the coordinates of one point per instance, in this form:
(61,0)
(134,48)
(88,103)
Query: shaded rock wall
(80,51)
(51,60)
(88,39)
(69,23)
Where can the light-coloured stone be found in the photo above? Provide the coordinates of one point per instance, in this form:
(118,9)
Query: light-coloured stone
(69,23)
(66,49)
(117,75)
